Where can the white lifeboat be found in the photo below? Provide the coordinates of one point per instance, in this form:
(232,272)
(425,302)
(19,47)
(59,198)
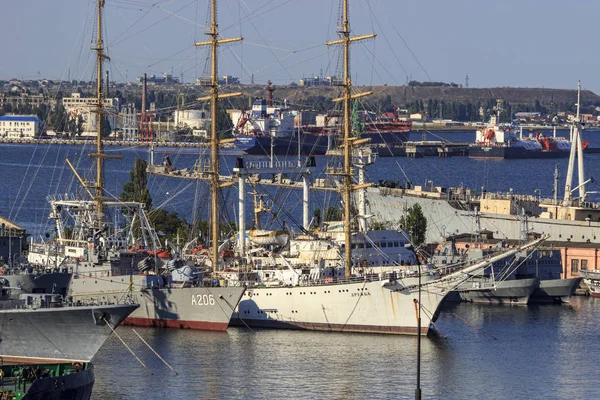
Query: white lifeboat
(263,237)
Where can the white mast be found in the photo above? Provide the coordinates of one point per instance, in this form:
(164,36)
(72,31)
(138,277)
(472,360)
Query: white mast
(580,170)
(572,155)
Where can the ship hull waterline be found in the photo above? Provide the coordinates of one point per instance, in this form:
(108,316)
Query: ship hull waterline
(199,307)
(555,291)
(514,292)
(71,334)
(362,307)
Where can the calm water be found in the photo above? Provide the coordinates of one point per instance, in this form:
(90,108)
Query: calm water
(541,352)
(31,172)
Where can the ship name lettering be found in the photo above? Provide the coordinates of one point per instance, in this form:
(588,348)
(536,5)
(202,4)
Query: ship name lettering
(361,294)
(203,300)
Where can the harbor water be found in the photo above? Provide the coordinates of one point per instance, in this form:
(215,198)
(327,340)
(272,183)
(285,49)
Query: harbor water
(523,352)
(536,352)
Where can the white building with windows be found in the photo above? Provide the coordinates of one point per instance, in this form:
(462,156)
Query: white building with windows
(20,126)
(84,107)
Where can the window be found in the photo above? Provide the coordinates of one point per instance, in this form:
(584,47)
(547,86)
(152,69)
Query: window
(574,266)
(584,265)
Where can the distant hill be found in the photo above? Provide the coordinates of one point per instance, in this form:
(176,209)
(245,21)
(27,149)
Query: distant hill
(413,93)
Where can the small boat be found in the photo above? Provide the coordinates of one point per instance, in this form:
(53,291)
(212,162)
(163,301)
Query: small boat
(262,237)
(592,281)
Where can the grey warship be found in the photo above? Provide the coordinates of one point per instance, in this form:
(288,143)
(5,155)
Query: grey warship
(112,262)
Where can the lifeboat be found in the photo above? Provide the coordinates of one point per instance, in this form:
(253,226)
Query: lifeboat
(263,237)
(160,254)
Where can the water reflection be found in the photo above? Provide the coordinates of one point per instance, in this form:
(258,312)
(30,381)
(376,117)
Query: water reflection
(538,353)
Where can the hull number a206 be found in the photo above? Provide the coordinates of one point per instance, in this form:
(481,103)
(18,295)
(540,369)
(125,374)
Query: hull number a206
(203,300)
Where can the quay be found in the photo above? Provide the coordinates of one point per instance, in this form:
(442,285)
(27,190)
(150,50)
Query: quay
(277,179)
(106,142)
(425,148)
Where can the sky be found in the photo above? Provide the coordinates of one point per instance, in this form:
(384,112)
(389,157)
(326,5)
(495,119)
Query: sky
(518,43)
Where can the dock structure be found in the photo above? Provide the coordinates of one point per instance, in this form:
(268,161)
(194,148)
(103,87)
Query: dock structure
(254,171)
(108,142)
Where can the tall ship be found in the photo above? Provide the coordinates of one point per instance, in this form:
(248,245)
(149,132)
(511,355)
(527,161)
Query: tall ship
(312,282)
(112,250)
(496,141)
(453,211)
(267,129)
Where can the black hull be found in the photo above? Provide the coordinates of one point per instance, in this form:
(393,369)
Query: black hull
(507,153)
(65,386)
(310,144)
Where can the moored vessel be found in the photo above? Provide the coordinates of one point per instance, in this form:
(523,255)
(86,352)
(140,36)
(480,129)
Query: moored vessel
(501,142)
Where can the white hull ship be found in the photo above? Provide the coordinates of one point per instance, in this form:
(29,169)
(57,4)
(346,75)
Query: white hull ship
(509,216)
(323,299)
(457,211)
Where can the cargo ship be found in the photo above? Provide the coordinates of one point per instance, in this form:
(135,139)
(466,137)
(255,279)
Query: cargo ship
(275,130)
(495,141)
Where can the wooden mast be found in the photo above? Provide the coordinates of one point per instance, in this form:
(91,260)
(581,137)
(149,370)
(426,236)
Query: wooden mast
(99,155)
(214,42)
(348,141)
(99,99)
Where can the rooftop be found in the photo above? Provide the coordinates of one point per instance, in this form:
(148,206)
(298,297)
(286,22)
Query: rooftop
(18,118)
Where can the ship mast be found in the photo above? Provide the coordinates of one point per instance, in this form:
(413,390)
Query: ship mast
(99,155)
(214,43)
(576,152)
(348,141)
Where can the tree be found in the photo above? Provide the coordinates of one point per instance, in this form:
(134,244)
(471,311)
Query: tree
(136,189)
(415,224)
(333,214)
(106,128)
(169,223)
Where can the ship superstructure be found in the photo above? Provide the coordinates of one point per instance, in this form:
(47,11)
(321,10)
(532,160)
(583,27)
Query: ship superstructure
(111,247)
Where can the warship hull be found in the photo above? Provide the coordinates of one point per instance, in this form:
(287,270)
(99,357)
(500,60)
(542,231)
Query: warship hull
(197,307)
(50,283)
(555,290)
(315,144)
(57,335)
(58,382)
(513,153)
(484,291)
(446,217)
(368,307)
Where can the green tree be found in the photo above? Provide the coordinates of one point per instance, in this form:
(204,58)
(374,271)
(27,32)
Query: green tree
(333,214)
(106,128)
(136,189)
(415,224)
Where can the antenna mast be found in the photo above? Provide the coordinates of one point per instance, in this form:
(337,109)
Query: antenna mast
(214,43)
(348,141)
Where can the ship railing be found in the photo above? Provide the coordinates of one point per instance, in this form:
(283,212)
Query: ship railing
(268,165)
(325,281)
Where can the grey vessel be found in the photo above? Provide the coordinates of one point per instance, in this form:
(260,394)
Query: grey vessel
(532,276)
(46,346)
(452,211)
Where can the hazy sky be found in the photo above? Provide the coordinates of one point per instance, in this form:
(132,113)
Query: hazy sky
(524,43)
